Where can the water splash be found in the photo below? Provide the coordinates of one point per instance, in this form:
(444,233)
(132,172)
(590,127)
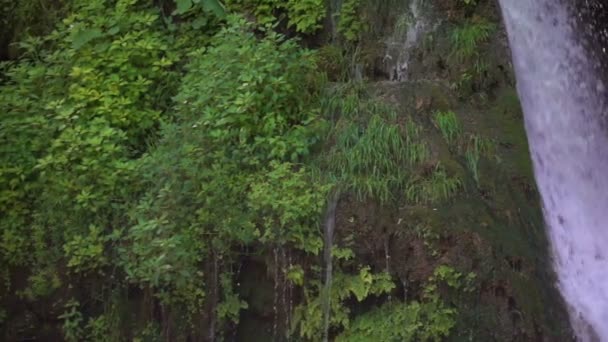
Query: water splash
(559,54)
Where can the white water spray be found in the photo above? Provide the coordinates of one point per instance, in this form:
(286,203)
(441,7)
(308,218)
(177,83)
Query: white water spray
(559,55)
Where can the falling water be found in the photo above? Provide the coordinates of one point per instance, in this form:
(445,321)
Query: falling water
(328,236)
(559,54)
(409,30)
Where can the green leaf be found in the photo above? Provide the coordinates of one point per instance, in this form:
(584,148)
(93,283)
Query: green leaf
(199,22)
(214,6)
(82,37)
(183,6)
(114,30)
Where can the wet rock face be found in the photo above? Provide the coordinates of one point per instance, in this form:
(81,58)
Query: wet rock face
(559,51)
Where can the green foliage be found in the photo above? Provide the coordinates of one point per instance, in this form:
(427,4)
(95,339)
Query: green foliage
(430,238)
(308,317)
(306,15)
(79,110)
(231,305)
(99,330)
(150,333)
(448,124)
(350,24)
(332,60)
(214,6)
(467,38)
(432,189)
(73,330)
(78,114)
(143,154)
(431,319)
(288,205)
(263,10)
(221,178)
(452,278)
(303,15)
(20,20)
(86,253)
(41,283)
(295,274)
(254,97)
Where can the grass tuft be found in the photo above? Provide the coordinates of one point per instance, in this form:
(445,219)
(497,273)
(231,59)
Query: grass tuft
(466,38)
(373,154)
(476,147)
(438,187)
(448,124)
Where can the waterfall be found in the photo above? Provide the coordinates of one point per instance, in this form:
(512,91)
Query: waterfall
(559,55)
(409,30)
(328,237)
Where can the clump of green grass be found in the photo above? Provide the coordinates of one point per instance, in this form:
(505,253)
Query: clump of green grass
(372,161)
(439,186)
(448,124)
(332,60)
(416,151)
(467,38)
(372,153)
(477,146)
(344,101)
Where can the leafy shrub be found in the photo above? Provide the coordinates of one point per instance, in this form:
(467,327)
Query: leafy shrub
(427,321)
(253,99)
(72,321)
(213,6)
(308,317)
(79,113)
(20,20)
(86,253)
(430,319)
(79,109)
(221,177)
(304,15)
(231,305)
(288,206)
(350,25)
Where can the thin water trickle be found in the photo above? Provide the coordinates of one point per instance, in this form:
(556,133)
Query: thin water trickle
(328,237)
(558,49)
(408,33)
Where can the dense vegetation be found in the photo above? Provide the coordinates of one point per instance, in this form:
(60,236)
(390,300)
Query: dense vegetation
(155,155)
